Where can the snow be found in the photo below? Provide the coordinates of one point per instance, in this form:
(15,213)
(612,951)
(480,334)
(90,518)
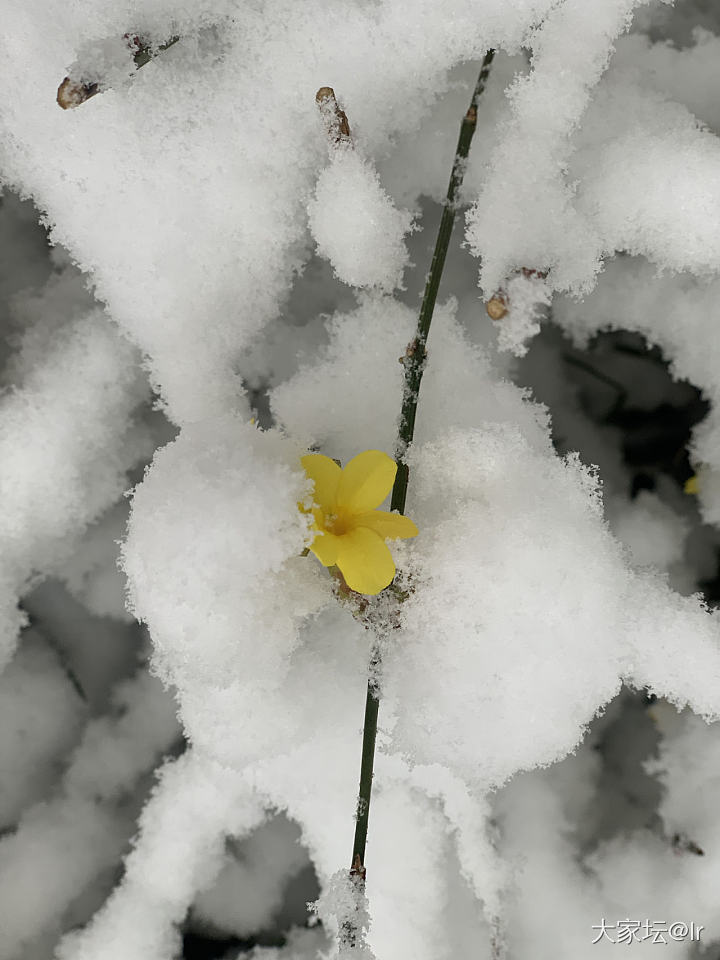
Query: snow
(33,739)
(232,281)
(355,224)
(248,891)
(526,189)
(67,436)
(62,846)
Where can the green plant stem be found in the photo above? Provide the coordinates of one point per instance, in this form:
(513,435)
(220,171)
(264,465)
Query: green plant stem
(146,53)
(414,364)
(414,361)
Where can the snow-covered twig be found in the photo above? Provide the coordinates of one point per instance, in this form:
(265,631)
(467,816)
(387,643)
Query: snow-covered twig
(75,90)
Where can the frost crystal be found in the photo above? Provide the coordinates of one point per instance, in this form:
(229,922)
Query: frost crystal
(343,909)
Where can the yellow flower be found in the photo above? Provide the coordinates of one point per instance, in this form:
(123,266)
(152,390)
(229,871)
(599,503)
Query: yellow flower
(692,485)
(350,532)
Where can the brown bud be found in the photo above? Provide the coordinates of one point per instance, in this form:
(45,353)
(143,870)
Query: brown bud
(71,93)
(335,119)
(357,869)
(497,306)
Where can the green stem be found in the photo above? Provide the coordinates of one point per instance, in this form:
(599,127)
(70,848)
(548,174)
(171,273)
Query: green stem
(146,53)
(414,363)
(372,705)
(416,355)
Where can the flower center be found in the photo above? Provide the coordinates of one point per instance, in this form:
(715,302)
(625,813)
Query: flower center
(336,523)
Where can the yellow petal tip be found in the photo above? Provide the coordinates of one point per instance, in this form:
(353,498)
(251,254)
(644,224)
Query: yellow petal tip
(692,486)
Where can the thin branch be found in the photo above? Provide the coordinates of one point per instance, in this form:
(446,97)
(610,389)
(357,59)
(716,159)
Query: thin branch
(414,364)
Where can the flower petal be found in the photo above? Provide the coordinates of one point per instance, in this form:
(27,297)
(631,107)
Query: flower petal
(326,547)
(390,526)
(326,474)
(365,561)
(366,481)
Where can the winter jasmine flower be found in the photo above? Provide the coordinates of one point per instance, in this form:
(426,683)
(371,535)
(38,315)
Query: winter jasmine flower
(350,532)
